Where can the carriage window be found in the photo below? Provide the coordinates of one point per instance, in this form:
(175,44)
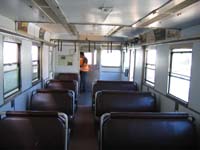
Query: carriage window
(35,63)
(88,55)
(132,59)
(111,59)
(179,75)
(126,57)
(50,62)
(95,57)
(150,67)
(11,68)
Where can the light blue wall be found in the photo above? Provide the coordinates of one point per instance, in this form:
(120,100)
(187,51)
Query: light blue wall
(194,96)
(26,64)
(162,63)
(139,66)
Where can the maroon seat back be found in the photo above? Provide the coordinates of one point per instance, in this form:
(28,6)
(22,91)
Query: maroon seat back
(143,131)
(32,131)
(68,76)
(100,85)
(124,101)
(64,85)
(53,100)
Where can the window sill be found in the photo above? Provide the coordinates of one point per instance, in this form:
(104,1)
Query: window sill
(11,97)
(34,82)
(149,85)
(178,100)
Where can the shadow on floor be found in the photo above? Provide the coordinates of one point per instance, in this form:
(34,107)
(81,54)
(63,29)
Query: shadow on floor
(83,136)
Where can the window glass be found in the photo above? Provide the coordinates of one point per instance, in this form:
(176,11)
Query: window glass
(132,65)
(150,67)
(179,88)
(88,55)
(10,68)
(150,75)
(179,75)
(126,60)
(151,57)
(182,63)
(11,80)
(35,52)
(35,63)
(10,53)
(111,59)
(50,61)
(95,57)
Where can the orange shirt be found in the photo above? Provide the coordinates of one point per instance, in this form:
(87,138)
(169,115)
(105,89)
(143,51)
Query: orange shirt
(83,65)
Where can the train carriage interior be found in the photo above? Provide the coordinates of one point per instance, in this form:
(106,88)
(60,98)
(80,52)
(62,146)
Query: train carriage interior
(136,87)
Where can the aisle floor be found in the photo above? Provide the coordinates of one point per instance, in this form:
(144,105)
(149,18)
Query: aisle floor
(83,136)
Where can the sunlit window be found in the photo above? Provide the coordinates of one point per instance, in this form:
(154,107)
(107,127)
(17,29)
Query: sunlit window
(132,57)
(150,67)
(126,55)
(111,58)
(179,75)
(50,62)
(11,68)
(95,57)
(35,63)
(88,55)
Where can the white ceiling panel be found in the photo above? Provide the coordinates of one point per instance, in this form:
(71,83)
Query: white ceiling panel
(108,11)
(22,10)
(94,29)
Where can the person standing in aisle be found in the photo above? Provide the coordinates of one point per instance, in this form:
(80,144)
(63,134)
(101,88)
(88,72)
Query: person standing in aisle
(84,68)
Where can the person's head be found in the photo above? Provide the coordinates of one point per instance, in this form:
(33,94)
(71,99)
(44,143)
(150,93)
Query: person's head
(81,54)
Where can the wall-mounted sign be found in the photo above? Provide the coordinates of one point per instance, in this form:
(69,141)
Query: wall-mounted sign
(65,60)
(22,26)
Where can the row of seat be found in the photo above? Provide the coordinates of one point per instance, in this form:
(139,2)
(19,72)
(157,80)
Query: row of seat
(100,85)
(147,131)
(130,120)
(33,131)
(47,122)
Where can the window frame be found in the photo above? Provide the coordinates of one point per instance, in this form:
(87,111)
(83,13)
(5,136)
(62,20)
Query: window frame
(37,79)
(148,82)
(179,76)
(50,62)
(18,65)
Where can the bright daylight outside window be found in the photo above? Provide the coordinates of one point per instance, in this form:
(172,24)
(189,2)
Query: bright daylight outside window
(150,67)
(126,55)
(111,59)
(131,66)
(179,75)
(95,57)
(35,63)
(88,55)
(50,63)
(11,68)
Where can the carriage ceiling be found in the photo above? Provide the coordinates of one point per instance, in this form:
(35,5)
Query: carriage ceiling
(121,18)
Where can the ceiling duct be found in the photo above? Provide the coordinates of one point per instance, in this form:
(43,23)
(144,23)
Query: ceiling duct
(44,7)
(53,11)
(163,12)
